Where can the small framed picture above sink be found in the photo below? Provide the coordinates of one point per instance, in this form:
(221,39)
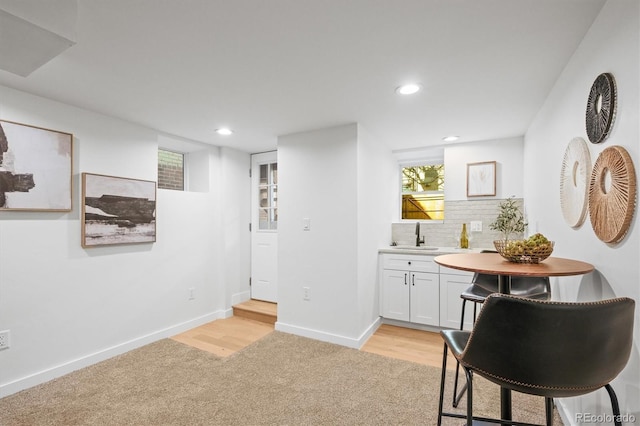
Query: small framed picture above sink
(481,179)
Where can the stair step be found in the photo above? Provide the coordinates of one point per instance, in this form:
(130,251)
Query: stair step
(257,310)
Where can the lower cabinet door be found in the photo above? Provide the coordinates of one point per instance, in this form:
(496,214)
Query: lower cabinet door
(395,294)
(425,299)
(451,286)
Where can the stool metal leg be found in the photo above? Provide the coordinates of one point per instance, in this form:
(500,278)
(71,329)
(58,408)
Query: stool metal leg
(548,405)
(442,378)
(614,405)
(456,397)
(469,375)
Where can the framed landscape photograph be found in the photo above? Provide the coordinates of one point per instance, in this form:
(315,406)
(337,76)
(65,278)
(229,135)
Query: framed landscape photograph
(35,168)
(481,179)
(117,210)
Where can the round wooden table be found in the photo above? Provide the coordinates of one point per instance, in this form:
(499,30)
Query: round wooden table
(494,264)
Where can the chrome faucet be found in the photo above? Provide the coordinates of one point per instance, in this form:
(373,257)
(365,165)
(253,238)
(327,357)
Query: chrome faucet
(418,240)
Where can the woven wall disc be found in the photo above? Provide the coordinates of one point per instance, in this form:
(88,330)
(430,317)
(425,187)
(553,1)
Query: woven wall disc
(601,108)
(574,182)
(612,194)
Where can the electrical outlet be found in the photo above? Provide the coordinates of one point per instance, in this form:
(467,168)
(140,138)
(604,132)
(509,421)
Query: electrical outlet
(306,293)
(476,226)
(4,339)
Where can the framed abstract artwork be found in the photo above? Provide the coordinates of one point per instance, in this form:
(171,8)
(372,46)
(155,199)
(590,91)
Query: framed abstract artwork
(117,210)
(35,168)
(481,179)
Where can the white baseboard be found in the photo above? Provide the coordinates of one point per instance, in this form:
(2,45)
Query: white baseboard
(370,331)
(415,326)
(563,412)
(48,374)
(240,297)
(355,343)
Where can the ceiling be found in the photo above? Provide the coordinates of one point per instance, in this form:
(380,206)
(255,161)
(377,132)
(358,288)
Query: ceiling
(271,68)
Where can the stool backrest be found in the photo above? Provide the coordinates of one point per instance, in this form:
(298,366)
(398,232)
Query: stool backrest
(553,349)
(530,286)
(519,286)
(537,287)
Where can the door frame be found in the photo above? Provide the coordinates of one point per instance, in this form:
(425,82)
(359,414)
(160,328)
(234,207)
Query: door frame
(264,242)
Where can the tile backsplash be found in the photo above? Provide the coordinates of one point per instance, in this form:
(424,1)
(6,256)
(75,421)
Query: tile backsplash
(447,233)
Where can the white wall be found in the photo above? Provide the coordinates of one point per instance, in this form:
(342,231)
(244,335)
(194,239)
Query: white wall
(320,178)
(317,180)
(59,17)
(611,45)
(68,307)
(508,155)
(235,184)
(377,181)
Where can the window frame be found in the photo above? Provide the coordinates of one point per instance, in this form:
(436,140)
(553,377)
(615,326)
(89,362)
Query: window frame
(185,173)
(414,163)
(271,188)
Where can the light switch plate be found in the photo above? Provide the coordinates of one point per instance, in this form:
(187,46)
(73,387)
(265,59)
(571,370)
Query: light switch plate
(4,339)
(306,224)
(476,226)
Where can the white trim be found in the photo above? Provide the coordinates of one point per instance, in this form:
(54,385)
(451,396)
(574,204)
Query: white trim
(48,374)
(413,325)
(415,156)
(414,163)
(243,296)
(564,413)
(373,327)
(329,337)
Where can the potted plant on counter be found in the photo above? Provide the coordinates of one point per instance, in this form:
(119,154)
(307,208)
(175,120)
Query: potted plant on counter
(510,220)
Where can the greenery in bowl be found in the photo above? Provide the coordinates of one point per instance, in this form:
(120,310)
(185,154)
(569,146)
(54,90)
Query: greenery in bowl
(534,249)
(510,219)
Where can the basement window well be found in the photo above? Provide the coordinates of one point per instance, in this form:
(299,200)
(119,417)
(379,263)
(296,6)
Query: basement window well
(170,170)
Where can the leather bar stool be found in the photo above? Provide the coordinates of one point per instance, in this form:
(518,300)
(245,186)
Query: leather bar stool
(546,348)
(483,285)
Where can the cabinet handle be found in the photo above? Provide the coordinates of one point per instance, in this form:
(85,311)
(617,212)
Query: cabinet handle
(405,279)
(409,262)
(413,279)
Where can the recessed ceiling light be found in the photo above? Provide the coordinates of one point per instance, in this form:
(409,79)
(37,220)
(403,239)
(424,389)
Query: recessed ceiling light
(408,89)
(451,138)
(224,131)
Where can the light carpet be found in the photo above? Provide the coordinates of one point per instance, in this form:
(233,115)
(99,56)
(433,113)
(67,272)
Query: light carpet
(281,379)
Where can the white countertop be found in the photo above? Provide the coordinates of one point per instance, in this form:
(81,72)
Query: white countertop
(427,250)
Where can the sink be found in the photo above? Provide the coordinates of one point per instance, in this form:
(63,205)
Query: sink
(408,247)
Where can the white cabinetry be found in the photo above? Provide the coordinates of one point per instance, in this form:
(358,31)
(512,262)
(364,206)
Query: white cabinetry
(410,289)
(452,283)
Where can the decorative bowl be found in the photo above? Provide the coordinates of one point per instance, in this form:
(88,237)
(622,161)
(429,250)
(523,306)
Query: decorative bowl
(519,251)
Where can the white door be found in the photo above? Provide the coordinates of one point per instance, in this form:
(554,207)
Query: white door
(264,226)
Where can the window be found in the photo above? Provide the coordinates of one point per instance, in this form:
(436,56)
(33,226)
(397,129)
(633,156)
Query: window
(423,192)
(268,196)
(170,170)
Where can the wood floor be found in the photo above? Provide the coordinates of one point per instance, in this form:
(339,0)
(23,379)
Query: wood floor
(421,347)
(253,320)
(224,337)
